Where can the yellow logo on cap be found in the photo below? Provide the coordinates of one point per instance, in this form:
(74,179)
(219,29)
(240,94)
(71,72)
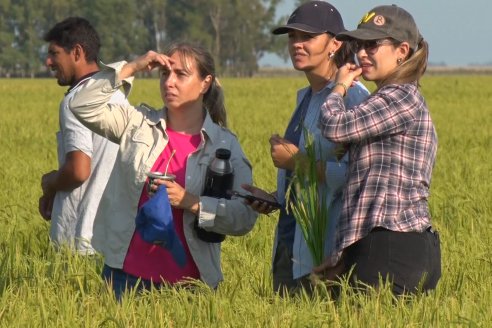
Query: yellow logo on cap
(367,17)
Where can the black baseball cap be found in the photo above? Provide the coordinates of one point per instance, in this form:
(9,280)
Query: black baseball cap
(313,17)
(385,22)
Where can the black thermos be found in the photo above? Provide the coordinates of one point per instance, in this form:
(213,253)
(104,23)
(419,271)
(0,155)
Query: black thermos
(220,175)
(218,180)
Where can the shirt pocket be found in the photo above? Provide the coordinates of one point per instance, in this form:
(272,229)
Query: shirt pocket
(136,149)
(198,173)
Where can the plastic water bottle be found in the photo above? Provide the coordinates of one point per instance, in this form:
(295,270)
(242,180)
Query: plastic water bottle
(218,180)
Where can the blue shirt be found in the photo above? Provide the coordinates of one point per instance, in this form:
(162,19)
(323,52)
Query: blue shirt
(287,230)
(286,224)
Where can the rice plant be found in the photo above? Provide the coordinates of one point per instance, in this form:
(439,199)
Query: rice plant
(40,287)
(308,199)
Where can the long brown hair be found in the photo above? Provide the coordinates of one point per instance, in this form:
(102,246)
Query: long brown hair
(213,99)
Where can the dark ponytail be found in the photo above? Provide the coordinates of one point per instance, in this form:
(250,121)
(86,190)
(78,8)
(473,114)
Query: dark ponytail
(214,102)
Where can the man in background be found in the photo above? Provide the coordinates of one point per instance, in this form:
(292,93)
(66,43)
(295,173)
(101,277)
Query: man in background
(72,193)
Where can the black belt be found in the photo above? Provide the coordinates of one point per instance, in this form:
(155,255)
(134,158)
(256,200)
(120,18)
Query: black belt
(429,229)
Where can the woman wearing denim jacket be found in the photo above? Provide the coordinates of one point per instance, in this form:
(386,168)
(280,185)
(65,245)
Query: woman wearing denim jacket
(184,136)
(313,50)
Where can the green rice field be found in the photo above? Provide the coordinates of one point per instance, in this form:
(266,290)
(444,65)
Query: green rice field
(43,288)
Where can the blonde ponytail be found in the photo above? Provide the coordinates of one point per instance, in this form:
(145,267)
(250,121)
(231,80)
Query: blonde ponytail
(412,69)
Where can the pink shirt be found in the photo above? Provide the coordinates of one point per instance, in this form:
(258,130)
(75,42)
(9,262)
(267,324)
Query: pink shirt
(153,262)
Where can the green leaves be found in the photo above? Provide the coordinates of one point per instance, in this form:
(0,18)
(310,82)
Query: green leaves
(308,200)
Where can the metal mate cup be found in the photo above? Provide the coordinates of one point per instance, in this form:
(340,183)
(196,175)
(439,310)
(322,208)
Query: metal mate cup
(158,175)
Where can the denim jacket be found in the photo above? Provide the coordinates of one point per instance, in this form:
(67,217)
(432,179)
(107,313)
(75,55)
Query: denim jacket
(140,133)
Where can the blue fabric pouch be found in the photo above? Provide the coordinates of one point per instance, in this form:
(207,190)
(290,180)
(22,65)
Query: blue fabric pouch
(155,224)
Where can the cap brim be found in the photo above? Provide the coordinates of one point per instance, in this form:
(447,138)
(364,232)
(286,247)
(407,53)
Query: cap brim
(361,34)
(296,26)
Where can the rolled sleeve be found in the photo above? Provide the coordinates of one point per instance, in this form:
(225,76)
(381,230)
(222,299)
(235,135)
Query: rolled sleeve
(209,209)
(116,81)
(230,216)
(93,107)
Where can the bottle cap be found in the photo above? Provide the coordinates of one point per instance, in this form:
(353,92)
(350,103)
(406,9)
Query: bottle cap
(222,153)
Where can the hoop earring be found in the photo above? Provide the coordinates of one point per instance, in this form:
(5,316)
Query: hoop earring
(398,61)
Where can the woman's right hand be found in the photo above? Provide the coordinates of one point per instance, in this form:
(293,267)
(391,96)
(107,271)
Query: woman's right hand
(146,62)
(348,74)
(283,152)
(258,206)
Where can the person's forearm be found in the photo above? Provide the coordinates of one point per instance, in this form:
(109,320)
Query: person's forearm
(67,179)
(192,203)
(72,174)
(92,104)
(60,181)
(128,70)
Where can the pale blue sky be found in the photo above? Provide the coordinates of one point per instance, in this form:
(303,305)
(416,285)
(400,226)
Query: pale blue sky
(459,33)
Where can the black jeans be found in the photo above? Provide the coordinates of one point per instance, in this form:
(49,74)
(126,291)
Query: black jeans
(411,261)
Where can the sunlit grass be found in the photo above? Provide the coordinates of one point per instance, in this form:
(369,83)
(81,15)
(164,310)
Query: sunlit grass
(43,288)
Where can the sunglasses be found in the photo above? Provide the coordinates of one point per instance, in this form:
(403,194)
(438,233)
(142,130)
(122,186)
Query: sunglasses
(370,46)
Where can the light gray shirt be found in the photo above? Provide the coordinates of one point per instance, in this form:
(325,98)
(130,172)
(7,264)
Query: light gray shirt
(74,211)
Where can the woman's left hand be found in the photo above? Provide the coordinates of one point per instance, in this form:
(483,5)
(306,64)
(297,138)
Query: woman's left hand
(179,197)
(348,74)
(328,271)
(146,62)
(258,206)
(283,152)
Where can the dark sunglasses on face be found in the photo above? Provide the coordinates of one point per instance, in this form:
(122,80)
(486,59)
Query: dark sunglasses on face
(370,46)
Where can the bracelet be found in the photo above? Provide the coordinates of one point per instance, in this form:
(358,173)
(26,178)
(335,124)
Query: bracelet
(345,88)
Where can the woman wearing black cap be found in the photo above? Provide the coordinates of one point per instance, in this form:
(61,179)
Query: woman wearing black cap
(314,50)
(385,226)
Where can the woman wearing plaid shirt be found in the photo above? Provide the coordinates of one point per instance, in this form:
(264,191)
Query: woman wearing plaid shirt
(385,228)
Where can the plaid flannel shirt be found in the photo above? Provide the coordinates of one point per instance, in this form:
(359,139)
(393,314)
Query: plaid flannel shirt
(393,147)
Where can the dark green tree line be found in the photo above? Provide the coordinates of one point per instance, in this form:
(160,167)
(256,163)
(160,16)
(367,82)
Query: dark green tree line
(236,31)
